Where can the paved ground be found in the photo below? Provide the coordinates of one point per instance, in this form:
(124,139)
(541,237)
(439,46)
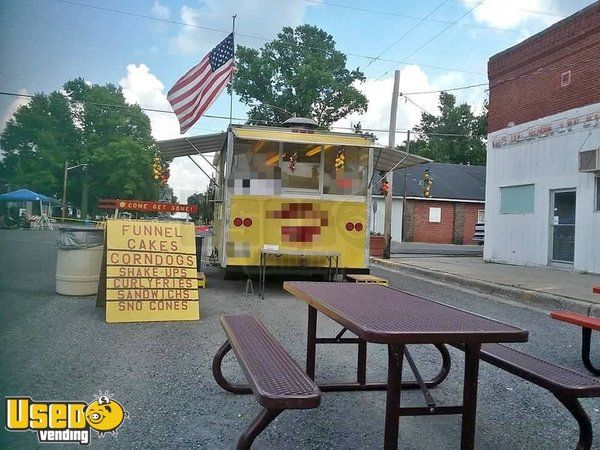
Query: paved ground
(412,249)
(54,347)
(543,286)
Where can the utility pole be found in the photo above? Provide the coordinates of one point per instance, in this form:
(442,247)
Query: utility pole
(64,199)
(404,193)
(387,223)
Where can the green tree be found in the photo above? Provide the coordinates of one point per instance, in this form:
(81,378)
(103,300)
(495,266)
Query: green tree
(204,200)
(300,72)
(36,142)
(456,136)
(88,124)
(117,144)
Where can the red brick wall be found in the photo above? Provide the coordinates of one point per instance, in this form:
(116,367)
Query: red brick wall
(438,233)
(525,80)
(469,220)
(443,232)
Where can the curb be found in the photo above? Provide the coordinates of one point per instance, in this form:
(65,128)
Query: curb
(539,299)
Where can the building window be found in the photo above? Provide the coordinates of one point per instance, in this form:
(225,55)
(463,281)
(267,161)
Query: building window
(565,78)
(517,199)
(480,215)
(597,193)
(435,215)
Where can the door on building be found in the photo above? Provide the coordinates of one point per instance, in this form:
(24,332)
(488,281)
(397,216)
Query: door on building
(562,225)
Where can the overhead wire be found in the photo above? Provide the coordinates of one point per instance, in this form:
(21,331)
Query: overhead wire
(405,34)
(238,119)
(250,36)
(436,36)
(405,16)
(213,116)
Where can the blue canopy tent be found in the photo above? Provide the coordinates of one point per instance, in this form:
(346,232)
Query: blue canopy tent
(25,195)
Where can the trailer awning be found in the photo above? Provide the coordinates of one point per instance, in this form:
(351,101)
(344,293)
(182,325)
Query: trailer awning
(302,137)
(386,159)
(206,143)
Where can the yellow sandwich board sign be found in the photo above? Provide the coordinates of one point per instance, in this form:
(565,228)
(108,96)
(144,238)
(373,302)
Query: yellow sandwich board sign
(151,271)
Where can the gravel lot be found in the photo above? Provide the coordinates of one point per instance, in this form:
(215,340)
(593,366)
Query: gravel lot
(60,348)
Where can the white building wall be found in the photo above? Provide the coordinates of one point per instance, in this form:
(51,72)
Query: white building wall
(543,152)
(378,217)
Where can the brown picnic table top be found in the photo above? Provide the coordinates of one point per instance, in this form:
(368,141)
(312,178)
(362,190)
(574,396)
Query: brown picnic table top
(382,315)
(378,314)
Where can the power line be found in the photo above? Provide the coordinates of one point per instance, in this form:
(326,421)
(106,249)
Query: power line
(445,90)
(261,38)
(406,33)
(530,11)
(416,104)
(405,16)
(438,34)
(212,116)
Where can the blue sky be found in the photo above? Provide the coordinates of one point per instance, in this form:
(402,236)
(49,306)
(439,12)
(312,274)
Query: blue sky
(44,43)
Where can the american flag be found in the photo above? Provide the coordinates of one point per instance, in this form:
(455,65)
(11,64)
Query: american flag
(193,93)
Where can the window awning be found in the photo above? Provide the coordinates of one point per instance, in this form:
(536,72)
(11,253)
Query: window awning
(206,143)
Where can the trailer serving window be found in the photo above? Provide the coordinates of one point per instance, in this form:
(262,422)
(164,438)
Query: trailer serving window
(270,167)
(349,178)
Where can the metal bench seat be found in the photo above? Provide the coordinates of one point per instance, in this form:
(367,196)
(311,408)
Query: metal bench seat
(567,385)
(275,379)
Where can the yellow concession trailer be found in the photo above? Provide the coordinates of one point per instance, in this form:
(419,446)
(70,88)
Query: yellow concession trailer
(297,194)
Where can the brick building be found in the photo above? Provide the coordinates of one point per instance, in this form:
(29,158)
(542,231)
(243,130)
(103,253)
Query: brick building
(543,154)
(448,216)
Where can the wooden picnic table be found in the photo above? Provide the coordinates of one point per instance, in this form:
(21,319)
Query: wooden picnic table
(382,315)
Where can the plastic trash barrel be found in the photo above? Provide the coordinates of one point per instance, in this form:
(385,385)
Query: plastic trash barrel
(78,260)
(199,252)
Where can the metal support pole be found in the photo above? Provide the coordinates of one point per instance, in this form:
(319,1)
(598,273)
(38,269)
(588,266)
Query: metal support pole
(467,438)
(311,342)
(232,72)
(64,199)
(387,224)
(402,237)
(392,404)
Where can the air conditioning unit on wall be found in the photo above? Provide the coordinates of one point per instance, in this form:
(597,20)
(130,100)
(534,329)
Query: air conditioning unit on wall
(589,161)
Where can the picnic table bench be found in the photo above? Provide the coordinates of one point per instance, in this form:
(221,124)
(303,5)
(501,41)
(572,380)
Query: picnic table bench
(275,379)
(567,385)
(587,324)
(369,279)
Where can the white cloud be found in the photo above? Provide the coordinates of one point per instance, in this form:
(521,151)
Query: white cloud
(412,79)
(12,108)
(514,13)
(143,87)
(379,93)
(160,11)
(263,18)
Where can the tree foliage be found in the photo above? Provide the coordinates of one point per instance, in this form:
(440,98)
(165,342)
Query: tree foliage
(204,200)
(300,72)
(456,136)
(85,124)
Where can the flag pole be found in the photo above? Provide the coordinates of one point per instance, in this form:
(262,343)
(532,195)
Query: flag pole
(232,73)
